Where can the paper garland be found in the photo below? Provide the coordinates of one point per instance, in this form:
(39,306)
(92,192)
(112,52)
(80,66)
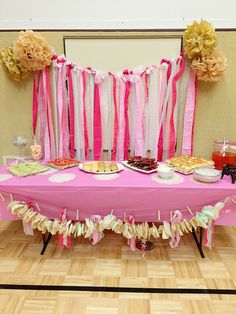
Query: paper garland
(167,230)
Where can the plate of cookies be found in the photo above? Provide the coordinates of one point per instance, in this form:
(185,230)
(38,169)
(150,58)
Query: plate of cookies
(101,167)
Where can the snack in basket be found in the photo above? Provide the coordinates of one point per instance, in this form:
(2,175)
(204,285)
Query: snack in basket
(100,166)
(62,163)
(26,168)
(143,163)
(186,164)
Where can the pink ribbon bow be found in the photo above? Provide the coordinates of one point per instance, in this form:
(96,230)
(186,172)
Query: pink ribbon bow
(177,217)
(132,241)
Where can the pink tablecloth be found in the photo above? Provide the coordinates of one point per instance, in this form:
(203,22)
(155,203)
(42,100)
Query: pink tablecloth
(132,193)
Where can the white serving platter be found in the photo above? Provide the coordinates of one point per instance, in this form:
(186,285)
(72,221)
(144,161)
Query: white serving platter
(125,163)
(120,168)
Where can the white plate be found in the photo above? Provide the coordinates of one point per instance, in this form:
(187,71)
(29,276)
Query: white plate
(125,163)
(120,167)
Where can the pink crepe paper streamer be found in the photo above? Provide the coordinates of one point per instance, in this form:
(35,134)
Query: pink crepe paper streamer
(139,117)
(116,125)
(189,115)
(97,123)
(86,145)
(177,217)
(126,107)
(172,140)
(71,110)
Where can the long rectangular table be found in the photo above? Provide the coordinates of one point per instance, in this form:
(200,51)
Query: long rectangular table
(127,193)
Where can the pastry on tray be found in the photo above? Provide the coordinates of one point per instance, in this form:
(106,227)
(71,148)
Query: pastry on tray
(186,164)
(143,163)
(62,163)
(26,168)
(100,166)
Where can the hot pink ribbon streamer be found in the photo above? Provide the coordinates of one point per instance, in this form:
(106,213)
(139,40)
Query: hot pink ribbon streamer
(84,115)
(172,142)
(189,115)
(116,126)
(35,101)
(97,124)
(126,108)
(71,109)
(177,217)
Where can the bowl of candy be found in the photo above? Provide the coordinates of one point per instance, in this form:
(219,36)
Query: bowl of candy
(207,175)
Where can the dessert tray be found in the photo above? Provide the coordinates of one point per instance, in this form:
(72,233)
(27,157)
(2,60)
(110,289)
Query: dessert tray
(187,164)
(141,164)
(62,163)
(26,169)
(101,167)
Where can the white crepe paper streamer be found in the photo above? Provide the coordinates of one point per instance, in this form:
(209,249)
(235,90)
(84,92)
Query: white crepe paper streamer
(153,114)
(104,105)
(62,177)
(78,128)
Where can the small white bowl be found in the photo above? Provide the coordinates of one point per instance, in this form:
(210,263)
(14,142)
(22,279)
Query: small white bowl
(207,175)
(165,172)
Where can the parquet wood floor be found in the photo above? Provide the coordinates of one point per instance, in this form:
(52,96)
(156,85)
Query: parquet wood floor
(110,263)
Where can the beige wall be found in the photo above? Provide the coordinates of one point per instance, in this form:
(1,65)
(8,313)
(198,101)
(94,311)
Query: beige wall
(216,102)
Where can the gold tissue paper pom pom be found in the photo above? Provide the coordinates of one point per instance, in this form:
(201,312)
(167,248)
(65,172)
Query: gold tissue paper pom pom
(32,51)
(199,39)
(12,66)
(210,68)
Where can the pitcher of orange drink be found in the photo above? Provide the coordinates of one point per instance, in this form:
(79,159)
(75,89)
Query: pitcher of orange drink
(224,153)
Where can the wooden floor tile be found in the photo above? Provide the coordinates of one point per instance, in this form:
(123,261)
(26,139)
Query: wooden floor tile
(107,267)
(138,306)
(55,267)
(160,269)
(166,307)
(186,269)
(211,269)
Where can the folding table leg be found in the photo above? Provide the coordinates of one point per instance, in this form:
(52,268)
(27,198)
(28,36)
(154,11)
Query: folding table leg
(199,242)
(45,242)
